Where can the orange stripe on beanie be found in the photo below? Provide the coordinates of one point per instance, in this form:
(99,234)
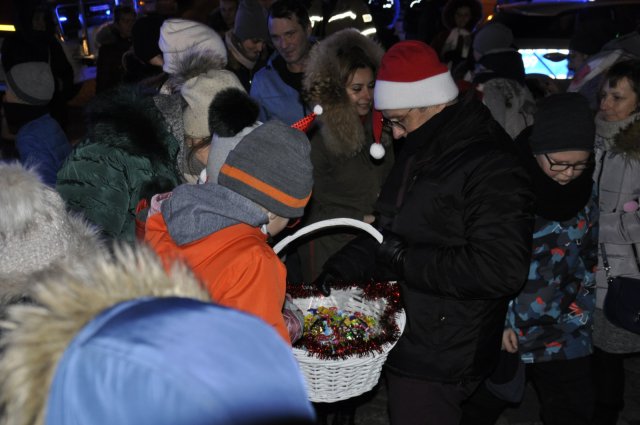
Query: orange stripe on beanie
(272,167)
(265,188)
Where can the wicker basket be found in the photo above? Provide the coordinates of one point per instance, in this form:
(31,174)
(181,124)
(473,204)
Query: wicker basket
(334,380)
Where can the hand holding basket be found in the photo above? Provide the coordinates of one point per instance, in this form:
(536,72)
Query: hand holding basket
(339,377)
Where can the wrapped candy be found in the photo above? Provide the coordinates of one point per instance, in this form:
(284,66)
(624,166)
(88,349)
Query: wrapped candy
(331,332)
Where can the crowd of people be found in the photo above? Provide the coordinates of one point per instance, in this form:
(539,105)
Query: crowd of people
(138,280)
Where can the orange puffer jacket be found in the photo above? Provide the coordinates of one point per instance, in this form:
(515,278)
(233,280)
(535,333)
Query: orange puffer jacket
(235,264)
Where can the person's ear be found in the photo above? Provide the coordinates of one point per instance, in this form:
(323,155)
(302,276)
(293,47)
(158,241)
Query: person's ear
(271,216)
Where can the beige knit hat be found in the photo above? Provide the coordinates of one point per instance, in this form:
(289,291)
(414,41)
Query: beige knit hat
(199,92)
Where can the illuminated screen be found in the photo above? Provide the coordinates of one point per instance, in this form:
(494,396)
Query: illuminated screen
(536,63)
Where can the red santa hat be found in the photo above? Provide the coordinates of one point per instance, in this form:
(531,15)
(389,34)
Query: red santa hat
(412,76)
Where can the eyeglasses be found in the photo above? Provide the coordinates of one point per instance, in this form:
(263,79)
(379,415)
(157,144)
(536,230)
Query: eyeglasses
(555,166)
(396,123)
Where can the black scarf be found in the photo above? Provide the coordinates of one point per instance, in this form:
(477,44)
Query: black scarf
(292,79)
(554,201)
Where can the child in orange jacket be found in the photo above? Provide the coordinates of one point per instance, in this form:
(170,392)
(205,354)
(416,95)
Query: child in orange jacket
(221,230)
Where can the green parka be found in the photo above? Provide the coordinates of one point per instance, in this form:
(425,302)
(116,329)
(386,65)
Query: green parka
(130,153)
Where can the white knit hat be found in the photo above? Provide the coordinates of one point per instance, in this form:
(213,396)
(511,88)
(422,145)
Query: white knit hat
(179,37)
(412,76)
(199,92)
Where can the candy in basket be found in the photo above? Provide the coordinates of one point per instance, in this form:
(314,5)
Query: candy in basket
(347,335)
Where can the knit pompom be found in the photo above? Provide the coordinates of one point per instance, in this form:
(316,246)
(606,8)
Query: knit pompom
(377,151)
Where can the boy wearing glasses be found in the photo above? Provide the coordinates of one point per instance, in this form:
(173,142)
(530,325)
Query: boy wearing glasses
(549,322)
(456,214)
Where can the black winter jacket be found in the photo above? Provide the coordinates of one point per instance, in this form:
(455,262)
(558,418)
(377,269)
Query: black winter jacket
(460,199)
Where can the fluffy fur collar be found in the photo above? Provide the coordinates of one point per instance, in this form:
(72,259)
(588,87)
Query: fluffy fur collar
(340,126)
(128,119)
(627,141)
(619,136)
(191,65)
(37,335)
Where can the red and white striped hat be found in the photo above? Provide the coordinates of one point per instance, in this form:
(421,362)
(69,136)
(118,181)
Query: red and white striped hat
(412,76)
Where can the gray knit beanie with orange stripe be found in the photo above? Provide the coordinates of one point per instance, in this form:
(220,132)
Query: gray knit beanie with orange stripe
(272,167)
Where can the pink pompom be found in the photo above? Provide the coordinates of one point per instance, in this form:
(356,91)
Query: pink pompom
(631,206)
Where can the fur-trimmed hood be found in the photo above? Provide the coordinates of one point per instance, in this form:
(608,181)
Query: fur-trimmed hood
(65,301)
(627,141)
(128,119)
(622,137)
(191,65)
(340,125)
(37,235)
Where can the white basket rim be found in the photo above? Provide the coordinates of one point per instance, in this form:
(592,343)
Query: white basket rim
(323,224)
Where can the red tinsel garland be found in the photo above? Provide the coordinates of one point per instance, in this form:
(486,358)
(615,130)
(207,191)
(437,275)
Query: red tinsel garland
(389,331)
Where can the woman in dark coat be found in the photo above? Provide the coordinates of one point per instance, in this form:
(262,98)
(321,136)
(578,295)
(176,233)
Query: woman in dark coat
(340,77)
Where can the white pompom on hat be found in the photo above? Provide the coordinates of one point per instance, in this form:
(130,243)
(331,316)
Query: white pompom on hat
(412,76)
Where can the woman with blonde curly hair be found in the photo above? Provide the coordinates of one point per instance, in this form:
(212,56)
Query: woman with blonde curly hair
(340,76)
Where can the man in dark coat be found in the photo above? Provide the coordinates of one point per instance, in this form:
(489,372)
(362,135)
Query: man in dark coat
(456,213)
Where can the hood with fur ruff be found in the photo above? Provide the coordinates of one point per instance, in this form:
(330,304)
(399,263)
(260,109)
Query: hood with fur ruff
(127,118)
(340,125)
(627,141)
(37,234)
(191,65)
(37,335)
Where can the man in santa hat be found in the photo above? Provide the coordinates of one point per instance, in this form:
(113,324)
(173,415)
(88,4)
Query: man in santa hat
(456,214)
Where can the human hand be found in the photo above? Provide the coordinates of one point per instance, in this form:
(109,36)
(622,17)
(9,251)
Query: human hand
(392,251)
(323,282)
(510,341)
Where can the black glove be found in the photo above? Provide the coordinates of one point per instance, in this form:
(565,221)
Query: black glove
(355,262)
(323,282)
(391,252)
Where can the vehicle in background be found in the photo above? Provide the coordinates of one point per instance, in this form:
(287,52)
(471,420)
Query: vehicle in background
(76,22)
(79,20)
(542,29)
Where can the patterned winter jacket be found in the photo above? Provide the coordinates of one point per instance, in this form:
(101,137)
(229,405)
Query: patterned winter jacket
(552,315)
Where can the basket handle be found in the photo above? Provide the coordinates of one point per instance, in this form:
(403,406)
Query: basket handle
(332,222)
